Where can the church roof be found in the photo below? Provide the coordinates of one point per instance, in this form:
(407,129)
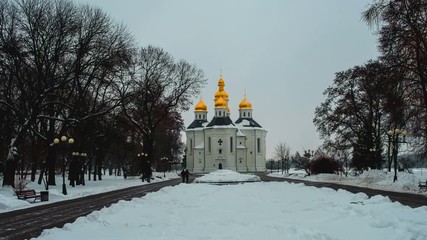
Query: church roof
(220,121)
(198,123)
(239,133)
(247,122)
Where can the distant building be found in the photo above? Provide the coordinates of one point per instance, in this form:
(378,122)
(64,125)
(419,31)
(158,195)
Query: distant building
(222,144)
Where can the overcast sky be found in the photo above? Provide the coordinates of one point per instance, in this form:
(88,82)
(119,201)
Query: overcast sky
(283,54)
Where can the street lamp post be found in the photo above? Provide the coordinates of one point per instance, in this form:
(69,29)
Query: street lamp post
(80,171)
(271,165)
(64,160)
(394,145)
(164,160)
(283,165)
(147,169)
(373,151)
(389,134)
(287,164)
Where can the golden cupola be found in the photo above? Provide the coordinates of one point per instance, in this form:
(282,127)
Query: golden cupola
(221,92)
(245,104)
(201,107)
(220,103)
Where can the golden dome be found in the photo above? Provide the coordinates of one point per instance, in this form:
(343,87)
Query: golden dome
(245,104)
(220,103)
(201,106)
(222,94)
(221,83)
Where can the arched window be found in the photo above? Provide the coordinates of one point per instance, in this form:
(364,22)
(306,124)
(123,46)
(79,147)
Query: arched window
(244,114)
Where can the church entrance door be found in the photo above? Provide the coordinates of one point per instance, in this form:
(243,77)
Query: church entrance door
(220,166)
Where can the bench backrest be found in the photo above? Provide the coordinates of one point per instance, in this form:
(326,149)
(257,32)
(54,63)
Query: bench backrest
(26,192)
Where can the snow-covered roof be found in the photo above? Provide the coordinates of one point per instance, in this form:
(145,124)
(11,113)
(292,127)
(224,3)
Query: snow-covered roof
(247,122)
(239,133)
(220,121)
(198,123)
(200,146)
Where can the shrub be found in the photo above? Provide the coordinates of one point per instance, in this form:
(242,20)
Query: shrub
(324,164)
(301,163)
(21,184)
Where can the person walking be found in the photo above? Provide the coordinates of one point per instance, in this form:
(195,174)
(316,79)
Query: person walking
(185,175)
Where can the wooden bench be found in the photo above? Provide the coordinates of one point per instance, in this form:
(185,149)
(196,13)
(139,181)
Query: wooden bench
(28,194)
(422,186)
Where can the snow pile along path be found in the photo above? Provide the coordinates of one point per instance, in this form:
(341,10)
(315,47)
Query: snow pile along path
(226,176)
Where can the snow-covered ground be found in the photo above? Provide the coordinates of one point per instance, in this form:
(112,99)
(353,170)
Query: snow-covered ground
(227,176)
(9,201)
(376,179)
(275,210)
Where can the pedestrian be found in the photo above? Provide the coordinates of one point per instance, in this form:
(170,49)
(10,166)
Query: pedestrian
(147,172)
(187,175)
(183,175)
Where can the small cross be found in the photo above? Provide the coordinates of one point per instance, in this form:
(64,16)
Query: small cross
(220,142)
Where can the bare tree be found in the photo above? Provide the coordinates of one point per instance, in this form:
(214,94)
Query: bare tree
(403,46)
(361,104)
(60,62)
(281,152)
(161,88)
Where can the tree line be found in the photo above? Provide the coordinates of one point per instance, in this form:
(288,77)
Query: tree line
(70,70)
(366,101)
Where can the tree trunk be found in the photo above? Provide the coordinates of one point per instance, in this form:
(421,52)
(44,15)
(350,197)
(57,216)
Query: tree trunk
(50,166)
(33,171)
(89,167)
(50,158)
(9,173)
(11,161)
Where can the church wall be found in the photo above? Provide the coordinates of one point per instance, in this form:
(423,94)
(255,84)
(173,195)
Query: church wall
(199,161)
(261,163)
(241,152)
(194,155)
(243,158)
(220,149)
(242,165)
(189,162)
(255,159)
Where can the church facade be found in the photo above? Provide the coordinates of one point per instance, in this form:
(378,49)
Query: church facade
(221,143)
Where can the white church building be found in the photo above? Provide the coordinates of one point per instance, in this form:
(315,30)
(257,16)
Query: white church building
(221,143)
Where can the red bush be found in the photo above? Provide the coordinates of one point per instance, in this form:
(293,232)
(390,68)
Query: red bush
(324,164)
